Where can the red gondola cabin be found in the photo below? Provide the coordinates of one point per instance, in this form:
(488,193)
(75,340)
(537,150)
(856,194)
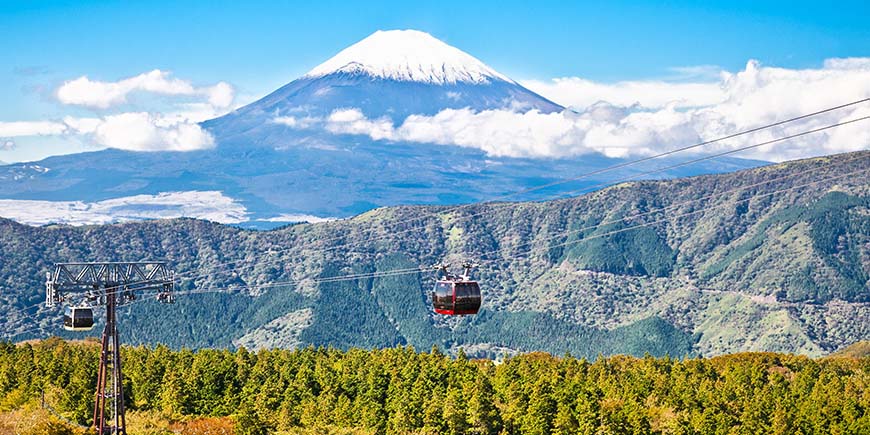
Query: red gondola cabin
(456,295)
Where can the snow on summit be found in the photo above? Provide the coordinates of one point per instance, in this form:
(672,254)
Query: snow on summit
(408,55)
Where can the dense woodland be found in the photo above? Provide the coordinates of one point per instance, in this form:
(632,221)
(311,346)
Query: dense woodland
(403,391)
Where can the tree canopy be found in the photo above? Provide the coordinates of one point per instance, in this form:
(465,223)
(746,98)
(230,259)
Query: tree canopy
(401,391)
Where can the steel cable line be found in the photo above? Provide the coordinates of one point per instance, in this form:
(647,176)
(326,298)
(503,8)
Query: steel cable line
(632,177)
(415,270)
(408,271)
(181,276)
(216,269)
(582,176)
(215,289)
(146,295)
(35,320)
(592,173)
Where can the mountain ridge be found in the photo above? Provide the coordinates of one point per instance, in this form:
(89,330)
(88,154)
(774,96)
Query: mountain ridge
(664,287)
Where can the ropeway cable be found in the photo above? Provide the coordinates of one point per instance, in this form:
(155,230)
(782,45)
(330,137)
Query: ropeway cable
(621,165)
(684,163)
(600,171)
(624,179)
(409,271)
(631,177)
(213,271)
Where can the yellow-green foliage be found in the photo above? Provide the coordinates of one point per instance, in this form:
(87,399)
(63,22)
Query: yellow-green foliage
(402,391)
(860,349)
(30,419)
(326,430)
(147,423)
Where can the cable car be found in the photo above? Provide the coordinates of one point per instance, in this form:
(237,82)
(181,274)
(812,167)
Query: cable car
(456,294)
(78,318)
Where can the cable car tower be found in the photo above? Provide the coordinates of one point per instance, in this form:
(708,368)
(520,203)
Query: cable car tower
(111,285)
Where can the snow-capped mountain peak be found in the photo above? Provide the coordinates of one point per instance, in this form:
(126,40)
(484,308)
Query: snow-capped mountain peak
(408,55)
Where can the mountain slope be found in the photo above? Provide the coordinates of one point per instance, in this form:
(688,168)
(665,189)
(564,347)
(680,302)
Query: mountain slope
(720,271)
(860,349)
(278,159)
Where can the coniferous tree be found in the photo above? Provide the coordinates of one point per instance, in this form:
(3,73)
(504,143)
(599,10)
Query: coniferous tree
(541,410)
(173,394)
(454,411)
(483,417)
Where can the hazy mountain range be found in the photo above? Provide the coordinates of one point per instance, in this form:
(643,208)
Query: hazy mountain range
(336,142)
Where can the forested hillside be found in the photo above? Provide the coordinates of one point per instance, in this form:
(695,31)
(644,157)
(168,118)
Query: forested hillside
(754,260)
(401,391)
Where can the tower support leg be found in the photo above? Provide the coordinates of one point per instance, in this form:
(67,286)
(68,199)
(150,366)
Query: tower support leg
(109,404)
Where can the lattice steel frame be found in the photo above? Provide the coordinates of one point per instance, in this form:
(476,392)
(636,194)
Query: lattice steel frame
(111,284)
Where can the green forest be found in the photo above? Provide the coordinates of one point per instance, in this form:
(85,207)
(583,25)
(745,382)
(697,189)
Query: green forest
(404,391)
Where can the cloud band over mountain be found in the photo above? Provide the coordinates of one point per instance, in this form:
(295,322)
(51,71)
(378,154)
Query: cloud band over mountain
(643,118)
(622,119)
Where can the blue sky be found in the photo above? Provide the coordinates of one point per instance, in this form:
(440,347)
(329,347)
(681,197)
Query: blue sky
(259,46)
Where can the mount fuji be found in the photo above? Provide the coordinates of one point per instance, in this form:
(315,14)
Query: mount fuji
(391,74)
(276,162)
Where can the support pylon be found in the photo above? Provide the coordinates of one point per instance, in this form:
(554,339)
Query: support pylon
(114,284)
(109,404)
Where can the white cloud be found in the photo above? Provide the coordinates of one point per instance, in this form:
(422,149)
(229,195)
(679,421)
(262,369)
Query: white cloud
(210,205)
(352,121)
(102,95)
(141,131)
(294,218)
(529,134)
(578,92)
(220,95)
(82,125)
(299,123)
(134,131)
(642,118)
(174,128)
(7,145)
(498,132)
(848,63)
(31,128)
